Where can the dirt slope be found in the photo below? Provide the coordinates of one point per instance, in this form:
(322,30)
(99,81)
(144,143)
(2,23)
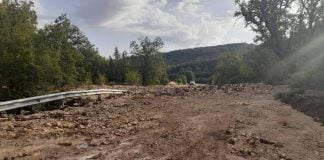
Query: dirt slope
(203,122)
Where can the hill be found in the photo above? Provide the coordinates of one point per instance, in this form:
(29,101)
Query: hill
(200,61)
(204,53)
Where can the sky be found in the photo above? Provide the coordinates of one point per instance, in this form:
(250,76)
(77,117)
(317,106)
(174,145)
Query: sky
(180,23)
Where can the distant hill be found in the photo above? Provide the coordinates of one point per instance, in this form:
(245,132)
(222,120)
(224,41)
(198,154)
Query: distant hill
(204,53)
(200,61)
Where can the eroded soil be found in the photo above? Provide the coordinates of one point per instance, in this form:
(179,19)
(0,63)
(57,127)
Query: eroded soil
(202,122)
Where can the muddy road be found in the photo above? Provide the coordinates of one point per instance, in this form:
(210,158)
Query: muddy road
(189,123)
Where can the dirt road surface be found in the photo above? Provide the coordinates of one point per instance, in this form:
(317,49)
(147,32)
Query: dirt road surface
(167,123)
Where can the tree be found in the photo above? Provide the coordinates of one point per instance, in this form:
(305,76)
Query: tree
(182,79)
(124,66)
(61,37)
(278,27)
(270,19)
(117,55)
(296,37)
(119,66)
(35,61)
(149,62)
(231,69)
(80,63)
(19,72)
(310,14)
(133,78)
(190,75)
(100,79)
(111,69)
(261,60)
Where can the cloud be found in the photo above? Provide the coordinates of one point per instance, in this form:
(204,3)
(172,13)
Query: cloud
(97,11)
(184,23)
(180,23)
(42,18)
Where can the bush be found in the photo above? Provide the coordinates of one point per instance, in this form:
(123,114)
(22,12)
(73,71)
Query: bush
(308,79)
(133,78)
(182,79)
(101,79)
(164,79)
(231,69)
(290,97)
(278,74)
(260,60)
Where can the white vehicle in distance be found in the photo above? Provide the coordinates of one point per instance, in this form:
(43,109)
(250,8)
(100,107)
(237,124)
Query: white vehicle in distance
(192,83)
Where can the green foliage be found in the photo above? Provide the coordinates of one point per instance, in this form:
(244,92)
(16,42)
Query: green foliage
(267,66)
(119,66)
(278,74)
(201,54)
(19,72)
(164,79)
(278,28)
(35,61)
(79,62)
(182,79)
(100,79)
(296,37)
(200,61)
(185,77)
(231,69)
(310,78)
(133,78)
(149,63)
(301,79)
(293,96)
(190,75)
(261,60)
(75,53)
(200,71)
(269,19)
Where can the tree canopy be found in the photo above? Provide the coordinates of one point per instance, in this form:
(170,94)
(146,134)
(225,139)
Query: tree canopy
(150,64)
(294,30)
(59,56)
(277,26)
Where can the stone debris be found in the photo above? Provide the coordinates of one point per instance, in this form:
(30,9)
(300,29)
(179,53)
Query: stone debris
(167,122)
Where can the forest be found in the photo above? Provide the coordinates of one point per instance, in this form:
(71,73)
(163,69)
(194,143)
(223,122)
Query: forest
(59,56)
(199,63)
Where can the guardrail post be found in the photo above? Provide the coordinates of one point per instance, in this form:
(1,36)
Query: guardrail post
(63,103)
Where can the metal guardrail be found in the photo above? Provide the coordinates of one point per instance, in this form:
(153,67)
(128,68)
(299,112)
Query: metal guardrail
(19,103)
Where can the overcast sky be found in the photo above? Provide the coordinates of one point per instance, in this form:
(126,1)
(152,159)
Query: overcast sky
(180,23)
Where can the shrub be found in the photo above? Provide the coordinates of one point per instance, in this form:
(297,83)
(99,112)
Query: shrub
(293,96)
(164,79)
(278,74)
(231,69)
(133,78)
(182,79)
(307,79)
(260,60)
(101,79)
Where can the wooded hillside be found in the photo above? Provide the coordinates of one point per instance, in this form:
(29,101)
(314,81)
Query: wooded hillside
(199,63)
